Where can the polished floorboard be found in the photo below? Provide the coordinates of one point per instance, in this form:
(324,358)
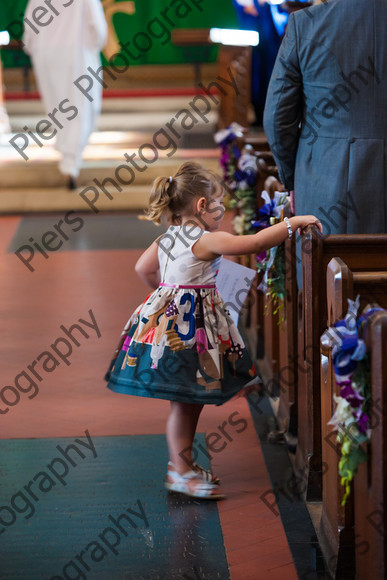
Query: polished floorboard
(238,538)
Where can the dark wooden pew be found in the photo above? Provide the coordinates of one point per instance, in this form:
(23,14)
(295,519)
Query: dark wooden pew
(288,353)
(370,486)
(261,324)
(361,253)
(337,522)
(272,343)
(336,525)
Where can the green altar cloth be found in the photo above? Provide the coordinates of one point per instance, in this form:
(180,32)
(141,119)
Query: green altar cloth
(124,27)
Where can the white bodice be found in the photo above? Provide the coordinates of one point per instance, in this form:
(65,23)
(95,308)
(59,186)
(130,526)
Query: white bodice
(178,265)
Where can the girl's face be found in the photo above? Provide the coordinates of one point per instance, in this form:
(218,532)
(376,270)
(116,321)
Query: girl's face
(214,213)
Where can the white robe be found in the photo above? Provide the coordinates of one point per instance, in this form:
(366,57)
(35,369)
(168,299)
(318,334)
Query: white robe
(61,52)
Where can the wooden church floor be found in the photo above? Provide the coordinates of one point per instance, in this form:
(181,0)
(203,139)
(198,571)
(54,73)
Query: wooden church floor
(91,279)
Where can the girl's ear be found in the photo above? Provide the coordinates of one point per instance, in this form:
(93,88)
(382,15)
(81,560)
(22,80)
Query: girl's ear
(201,204)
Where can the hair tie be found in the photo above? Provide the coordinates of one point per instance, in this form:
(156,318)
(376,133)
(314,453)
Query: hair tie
(170,178)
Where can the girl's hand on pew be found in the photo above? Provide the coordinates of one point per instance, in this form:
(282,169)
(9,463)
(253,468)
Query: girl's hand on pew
(303,221)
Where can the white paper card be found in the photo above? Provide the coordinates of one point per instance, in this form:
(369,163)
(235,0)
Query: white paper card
(234,282)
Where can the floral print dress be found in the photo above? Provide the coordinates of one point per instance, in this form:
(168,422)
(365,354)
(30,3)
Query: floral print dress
(181,343)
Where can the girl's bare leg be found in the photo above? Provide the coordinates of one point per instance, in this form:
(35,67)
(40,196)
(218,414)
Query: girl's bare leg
(181,428)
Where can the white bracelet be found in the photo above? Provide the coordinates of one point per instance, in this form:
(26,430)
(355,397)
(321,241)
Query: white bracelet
(290,231)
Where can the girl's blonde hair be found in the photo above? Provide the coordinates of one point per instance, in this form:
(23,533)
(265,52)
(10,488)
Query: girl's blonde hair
(173,197)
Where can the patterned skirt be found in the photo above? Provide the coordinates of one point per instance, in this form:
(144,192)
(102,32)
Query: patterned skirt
(181,344)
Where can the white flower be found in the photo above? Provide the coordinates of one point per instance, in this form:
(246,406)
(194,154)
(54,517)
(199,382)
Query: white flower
(265,196)
(238,224)
(248,161)
(351,316)
(342,414)
(223,133)
(280,200)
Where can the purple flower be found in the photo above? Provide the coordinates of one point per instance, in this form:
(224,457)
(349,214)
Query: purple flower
(346,390)
(345,383)
(356,401)
(261,257)
(224,161)
(362,422)
(225,158)
(349,394)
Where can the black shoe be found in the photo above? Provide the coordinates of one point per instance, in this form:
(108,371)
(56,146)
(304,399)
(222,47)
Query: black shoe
(72,183)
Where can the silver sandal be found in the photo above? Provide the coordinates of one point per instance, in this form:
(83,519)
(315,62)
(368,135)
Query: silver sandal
(204,474)
(202,489)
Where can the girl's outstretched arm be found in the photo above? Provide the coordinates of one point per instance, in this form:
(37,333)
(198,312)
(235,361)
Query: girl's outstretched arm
(147,266)
(217,243)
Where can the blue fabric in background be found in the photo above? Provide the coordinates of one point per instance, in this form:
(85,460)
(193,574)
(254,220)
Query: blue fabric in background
(270,24)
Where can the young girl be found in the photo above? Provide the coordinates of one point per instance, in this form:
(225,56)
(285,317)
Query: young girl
(181,343)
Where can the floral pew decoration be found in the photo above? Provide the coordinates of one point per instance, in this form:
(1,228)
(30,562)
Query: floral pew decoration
(272,262)
(240,173)
(352,416)
(227,140)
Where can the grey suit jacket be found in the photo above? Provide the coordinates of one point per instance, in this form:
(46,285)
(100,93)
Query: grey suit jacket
(326,113)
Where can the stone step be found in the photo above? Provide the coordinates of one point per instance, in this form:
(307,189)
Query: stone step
(38,186)
(124,127)
(143,105)
(45,174)
(62,200)
(119,119)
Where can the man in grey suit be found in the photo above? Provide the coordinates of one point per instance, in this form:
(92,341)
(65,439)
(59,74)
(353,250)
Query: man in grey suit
(326,114)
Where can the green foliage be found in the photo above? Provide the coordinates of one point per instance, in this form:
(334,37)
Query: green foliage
(352,440)
(276,291)
(351,457)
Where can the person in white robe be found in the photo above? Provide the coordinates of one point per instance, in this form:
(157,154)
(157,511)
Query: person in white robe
(61,51)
